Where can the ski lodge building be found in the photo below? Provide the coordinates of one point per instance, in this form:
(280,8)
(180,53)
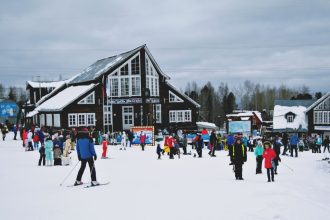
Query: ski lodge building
(114,94)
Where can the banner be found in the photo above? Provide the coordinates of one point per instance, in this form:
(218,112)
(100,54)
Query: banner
(148,130)
(8,110)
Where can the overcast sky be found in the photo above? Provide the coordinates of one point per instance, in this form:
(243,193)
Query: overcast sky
(270,42)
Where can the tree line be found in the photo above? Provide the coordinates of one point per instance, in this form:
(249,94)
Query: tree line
(218,101)
(13,93)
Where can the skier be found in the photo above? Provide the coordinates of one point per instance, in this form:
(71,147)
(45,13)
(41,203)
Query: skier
(238,158)
(42,155)
(294,144)
(143,138)
(86,154)
(49,151)
(104,148)
(66,160)
(258,153)
(277,149)
(269,155)
(213,143)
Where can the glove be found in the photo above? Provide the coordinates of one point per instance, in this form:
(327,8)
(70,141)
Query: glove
(79,158)
(95,157)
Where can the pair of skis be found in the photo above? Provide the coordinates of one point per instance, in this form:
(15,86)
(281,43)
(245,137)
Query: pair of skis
(90,186)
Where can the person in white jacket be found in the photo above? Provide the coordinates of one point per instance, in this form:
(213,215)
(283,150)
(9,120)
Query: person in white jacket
(30,139)
(123,141)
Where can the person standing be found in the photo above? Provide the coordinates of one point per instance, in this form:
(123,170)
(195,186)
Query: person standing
(258,153)
(277,150)
(15,132)
(230,142)
(104,148)
(143,138)
(30,139)
(239,157)
(250,144)
(326,144)
(213,143)
(49,151)
(294,144)
(36,141)
(4,131)
(285,142)
(269,155)
(318,143)
(86,154)
(42,157)
(199,145)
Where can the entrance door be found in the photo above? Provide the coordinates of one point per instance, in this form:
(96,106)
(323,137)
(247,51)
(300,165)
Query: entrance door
(128,117)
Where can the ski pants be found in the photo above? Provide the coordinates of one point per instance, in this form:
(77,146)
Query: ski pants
(42,159)
(318,148)
(270,173)
(295,148)
(90,162)
(326,147)
(285,149)
(104,152)
(142,146)
(259,164)
(238,170)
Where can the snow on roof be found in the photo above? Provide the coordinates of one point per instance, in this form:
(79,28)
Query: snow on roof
(102,66)
(64,98)
(246,114)
(184,95)
(31,114)
(54,84)
(318,102)
(280,122)
(205,124)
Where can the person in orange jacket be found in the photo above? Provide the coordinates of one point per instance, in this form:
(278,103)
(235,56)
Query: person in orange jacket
(269,155)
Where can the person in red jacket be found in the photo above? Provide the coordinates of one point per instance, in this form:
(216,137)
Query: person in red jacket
(269,155)
(143,138)
(104,148)
(170,144)
(36,141)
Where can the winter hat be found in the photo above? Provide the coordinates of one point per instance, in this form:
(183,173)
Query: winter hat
(68,137)
(268,143)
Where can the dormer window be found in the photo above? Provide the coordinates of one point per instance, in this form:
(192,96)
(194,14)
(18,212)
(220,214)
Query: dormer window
(290,119)
(174,98)
(90,99)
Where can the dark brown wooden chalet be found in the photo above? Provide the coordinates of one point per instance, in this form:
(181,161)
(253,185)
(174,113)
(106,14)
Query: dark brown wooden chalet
(117,93)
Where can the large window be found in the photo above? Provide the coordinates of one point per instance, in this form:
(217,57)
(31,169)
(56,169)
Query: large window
(152,79)
(42,120)
(128,81)
(158,113)
(57,120)
(90,119)
(174,98)
(81,119)
(180,116)
(49,120)
(107,115)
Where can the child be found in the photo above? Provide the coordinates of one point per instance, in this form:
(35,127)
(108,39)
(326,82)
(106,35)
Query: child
(104,148)
(66,160)
(36,141)
(49,151)
(42,155)
(57,155)
(269,155)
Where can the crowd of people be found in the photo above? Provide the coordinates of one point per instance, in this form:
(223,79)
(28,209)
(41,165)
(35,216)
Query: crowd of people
(55,147)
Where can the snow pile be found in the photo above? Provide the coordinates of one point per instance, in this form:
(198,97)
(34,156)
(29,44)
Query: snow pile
(64,98)
(144,188)
(280,122)
(203,124)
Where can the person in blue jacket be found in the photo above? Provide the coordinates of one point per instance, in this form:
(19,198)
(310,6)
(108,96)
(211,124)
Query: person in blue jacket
(294,144)
(230,143)
(86,154)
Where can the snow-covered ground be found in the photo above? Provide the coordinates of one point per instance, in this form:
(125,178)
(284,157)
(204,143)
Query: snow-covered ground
(143,187)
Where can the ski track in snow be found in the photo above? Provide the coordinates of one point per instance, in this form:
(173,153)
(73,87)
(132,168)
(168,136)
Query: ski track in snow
(143,187)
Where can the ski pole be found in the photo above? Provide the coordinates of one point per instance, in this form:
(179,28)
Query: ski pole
(69,174)
(287,166)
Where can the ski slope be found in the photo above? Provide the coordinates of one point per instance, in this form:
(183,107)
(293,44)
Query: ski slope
(142,188)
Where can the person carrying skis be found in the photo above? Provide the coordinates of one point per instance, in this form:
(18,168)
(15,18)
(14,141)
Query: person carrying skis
(86,154)
(269,155)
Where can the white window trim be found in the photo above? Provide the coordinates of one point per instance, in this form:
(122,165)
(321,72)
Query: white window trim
(76,120)
(81,124)
(176,113)
(290,119)
(152,80)
(128,113)
(84,100)
(176,98)
(94,119)
(159,120)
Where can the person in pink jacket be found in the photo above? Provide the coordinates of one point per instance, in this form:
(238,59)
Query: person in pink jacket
(269,155)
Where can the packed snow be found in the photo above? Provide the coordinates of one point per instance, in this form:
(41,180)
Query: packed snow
(142,187)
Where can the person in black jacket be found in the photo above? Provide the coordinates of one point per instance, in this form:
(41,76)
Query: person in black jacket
(277,148)
(213,142)
(238,158)
(326,144)
(285,142)
(42,155)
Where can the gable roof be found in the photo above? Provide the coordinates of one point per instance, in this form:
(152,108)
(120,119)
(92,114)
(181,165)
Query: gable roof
(318,102)
(280,122)
(245,114)
(289,103)
(64,98)
(184,95)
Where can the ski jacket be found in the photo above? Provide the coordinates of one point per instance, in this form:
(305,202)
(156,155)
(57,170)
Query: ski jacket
(49,146)
(36,138)
(230,139)
(143,139)
(85,148)
(318,141)
(258,151)
(294,140)
(29,136)
(239,153)
(213,139)
(67,148)
(269,155)
(42,150)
